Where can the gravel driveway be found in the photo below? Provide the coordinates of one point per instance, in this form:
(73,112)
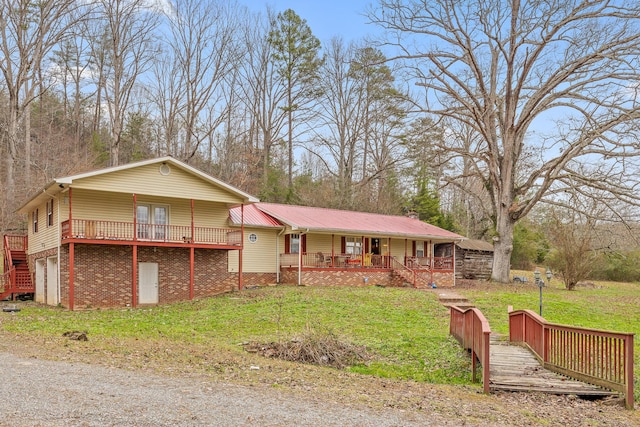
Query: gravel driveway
(44,393)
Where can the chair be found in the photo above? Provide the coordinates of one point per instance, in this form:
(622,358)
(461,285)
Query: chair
(323,260)
(367,260)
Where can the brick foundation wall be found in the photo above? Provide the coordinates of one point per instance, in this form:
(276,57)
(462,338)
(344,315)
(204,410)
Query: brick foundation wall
(357,278)
(210,273)
(259,279)
(103,274)
(340,278)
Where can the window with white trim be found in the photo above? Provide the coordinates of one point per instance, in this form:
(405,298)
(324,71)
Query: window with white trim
(34,219)
(294,243)
(153,221)
(353,245)
(420,249)
(50,213)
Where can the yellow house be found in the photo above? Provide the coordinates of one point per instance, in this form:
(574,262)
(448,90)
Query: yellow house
(320,246)
(149,232)
(160,231)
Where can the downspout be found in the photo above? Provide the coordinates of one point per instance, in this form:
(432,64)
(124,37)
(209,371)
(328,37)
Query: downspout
(300,258)
(58,298)
(432,260)
(192,255)
(134,255)
(71,253)
(278,254)
(241,247)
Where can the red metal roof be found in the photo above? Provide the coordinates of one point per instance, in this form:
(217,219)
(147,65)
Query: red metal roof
(339,221)
(252,216)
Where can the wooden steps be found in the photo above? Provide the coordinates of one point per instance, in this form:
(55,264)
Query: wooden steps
(20,282)
(449,298)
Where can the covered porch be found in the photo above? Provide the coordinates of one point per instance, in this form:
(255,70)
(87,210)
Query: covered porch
(368,261)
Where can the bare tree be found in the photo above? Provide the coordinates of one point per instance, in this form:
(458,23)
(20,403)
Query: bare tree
(577,239)
(342,116)
(548,87)
(29,31)
(203,44)
(263,92)
(122,52)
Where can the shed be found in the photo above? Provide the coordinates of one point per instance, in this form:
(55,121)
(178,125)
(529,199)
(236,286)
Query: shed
(474,259)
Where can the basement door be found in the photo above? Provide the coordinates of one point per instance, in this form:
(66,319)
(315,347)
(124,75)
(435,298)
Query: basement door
(40,281)
(52,280)
(148,283)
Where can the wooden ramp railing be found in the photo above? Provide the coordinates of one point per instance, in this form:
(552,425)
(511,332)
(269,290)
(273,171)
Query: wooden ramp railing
(597,357)
(472,331)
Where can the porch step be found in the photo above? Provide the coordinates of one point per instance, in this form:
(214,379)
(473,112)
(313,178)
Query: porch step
(449,299)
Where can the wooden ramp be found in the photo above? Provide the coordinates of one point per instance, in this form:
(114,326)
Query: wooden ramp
(515,368)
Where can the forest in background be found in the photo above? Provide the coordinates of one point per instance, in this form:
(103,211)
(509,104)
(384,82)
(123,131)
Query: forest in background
(253,99)
(535,150)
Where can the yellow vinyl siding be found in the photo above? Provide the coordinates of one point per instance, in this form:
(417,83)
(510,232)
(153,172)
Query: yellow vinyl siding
(211,214)
(149,181)
(398,248)
(47,236)
(320,243)
(258,257)
(103,206)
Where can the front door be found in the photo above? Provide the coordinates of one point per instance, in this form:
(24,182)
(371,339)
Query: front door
(148,283)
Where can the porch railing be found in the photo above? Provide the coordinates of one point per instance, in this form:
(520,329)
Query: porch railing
(116,230)
(15,242)
(598,357)
(429,263)
(323,259)
(471,329)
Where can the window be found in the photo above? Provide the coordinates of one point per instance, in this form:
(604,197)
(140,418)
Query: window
(34,220)
(294,244)
(153,222)
(253,237)
(419,249)
(50,213)
(353,245)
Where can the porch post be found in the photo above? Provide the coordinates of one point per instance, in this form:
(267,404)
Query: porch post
(135,217)
(193,237)
(192,255)
(71,278)
(70,214)
(404,262)
(134,275)
(332,248)
(241,247)
(134,255)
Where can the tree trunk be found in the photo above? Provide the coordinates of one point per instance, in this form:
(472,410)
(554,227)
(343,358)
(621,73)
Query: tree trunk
(502,248)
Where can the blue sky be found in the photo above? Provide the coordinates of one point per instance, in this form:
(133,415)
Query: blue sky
(327,18)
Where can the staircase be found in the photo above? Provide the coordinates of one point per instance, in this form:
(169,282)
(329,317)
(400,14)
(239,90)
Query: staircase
(407,275)
(16,279)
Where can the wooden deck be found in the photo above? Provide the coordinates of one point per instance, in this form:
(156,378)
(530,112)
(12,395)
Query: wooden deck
(515,368)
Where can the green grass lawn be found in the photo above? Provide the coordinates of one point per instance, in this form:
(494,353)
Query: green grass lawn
(406,330)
